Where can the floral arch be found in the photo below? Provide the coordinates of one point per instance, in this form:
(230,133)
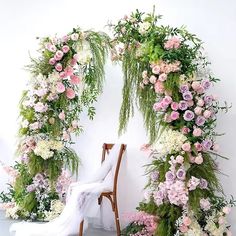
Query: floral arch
(166,75)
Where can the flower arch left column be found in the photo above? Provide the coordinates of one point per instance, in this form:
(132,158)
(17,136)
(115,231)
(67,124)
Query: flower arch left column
(65,80)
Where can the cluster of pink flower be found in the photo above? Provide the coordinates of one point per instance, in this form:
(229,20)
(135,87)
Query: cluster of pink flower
(142,218)
(172,43)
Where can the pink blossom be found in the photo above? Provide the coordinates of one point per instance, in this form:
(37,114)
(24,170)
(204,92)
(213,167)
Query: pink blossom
(216,147)
(174,115)
(74,36)
(65,48)
(180,159)
(221,220)
(40,107)
(52,61)
(157,106)
(52,48)
(70,93)
(193,183)
(200,102)
(144,74)
(146,81)
(69,71)
(198,146)
(58,55)
(65,136)
(65,38)
(74,124)
(156,70)
(205,204)
(207,114)
(58,67)
(198,110)
(172,43)
(174,106)
(199,159)
(62,115)
(226,210)
(63,75)
(196,85)
(73,62)
(167,100)
(162,77)
(74,79)
(186,147)
(60,87)
(167,118)
(183,229)
(159,87)
(197,132)
(153,79)
(185,130)
(187,221)
(191,159)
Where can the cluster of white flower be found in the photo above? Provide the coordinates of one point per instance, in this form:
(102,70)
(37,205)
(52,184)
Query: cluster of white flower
(55,210)
(12,212)
(169,142)
(84,54)
(44,148)
(195,229)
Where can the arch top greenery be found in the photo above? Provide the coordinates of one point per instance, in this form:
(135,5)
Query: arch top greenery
(166,75)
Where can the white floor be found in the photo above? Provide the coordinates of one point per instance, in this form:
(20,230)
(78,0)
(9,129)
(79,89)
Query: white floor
(5,223)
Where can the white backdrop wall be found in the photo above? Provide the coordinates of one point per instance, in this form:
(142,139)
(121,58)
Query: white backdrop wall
(213,21)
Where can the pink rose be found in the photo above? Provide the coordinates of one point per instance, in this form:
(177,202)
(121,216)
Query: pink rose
(180,159)
(196,85)
(153,79)
(65,38)
(60,87)
(191,159)
(174,106)
(167,100)
(185,130)
(190,103)
(186,147)
(74,79)
(198,146)
(183,229)
(65,48)
(162,77)
(73,62)
(174,115)
(200,102)
(144,74)
(145,81)
(199,159)
(198,111)
(167,118)
(159,87)
(70,93)
(69,71)
(157,106)
(187,221)
(74,36)
(226,210)
(197,132)
(59,54)
(207,114)
(52,48)
(58,67)
(52,61)
(62,75)
(156,70)
(62,115)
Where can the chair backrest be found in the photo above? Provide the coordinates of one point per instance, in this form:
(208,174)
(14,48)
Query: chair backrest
(105,150)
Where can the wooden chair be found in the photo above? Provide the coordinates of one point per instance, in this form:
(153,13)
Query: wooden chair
(112,195)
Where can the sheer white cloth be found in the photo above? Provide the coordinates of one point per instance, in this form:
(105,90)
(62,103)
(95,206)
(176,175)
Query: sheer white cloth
(80,200)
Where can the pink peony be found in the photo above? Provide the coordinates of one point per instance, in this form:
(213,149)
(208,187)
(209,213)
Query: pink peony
(185,130)
(186,147)
(197,132)
(157,106)
(74,79)
(58,67)
(65,48)
(174,115)
(70,93)
(60,87)
(62,115)
(69,71)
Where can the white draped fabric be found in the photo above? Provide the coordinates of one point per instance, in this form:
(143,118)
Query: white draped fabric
(81,201)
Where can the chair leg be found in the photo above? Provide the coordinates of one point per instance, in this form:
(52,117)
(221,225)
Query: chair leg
(81,228)
(117,218)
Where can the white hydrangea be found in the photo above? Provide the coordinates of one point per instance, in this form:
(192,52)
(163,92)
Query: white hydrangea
(44,148)
(169,142)
(216,229)
(12,212)
(55,210)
